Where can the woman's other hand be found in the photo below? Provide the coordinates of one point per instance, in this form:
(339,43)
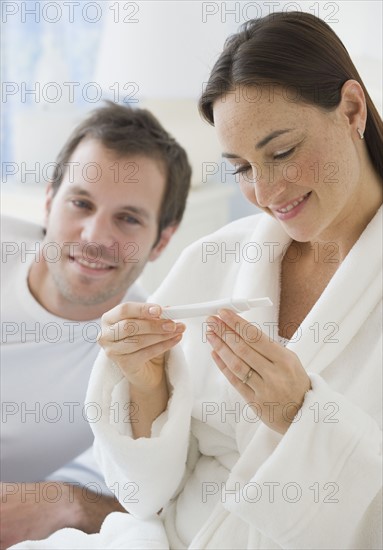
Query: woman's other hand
(269,377)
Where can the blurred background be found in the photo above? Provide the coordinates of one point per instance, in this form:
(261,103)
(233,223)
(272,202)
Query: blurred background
(62,59)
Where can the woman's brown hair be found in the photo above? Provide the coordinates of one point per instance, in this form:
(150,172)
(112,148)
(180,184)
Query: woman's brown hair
(294,50)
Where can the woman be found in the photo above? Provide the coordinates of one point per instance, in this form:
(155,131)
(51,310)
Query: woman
(283,450)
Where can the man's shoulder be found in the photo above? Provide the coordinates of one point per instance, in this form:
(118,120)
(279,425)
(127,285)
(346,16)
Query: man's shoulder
(135,293)
(18,230)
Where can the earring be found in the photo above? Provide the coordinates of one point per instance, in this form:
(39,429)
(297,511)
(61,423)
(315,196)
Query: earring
(360,133)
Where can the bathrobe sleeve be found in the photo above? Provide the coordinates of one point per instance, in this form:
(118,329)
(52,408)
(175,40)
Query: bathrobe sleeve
(143,473)
(321,483)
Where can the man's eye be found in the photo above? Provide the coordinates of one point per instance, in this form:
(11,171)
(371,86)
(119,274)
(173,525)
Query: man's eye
(130,219)
(81,204)
(284,154)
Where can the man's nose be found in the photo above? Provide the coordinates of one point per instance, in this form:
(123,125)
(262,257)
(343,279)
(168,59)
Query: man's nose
(98,228)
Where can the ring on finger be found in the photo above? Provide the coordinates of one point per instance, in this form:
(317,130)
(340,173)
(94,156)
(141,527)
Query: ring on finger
(249,374)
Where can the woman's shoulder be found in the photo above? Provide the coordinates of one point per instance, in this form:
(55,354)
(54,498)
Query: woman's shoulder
(199,270)
(240,229)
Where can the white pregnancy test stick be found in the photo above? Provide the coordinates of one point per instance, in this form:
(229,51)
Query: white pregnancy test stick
(211,308)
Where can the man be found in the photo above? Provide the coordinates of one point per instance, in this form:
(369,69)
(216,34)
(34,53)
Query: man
(116,197)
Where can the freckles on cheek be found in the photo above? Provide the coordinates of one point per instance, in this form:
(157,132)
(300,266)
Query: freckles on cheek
(247,189)
(311,170)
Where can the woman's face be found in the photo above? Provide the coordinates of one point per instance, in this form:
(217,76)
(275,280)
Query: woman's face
(294,161)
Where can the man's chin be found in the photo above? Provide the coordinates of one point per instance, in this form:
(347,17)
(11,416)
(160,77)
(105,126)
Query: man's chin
(88,300)
(85,296)
(88,293)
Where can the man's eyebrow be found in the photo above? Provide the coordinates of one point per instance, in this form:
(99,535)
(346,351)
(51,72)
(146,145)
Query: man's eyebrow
(261,143)
(78,191)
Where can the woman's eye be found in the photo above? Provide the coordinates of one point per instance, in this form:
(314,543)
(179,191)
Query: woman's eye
(241,170)
(284,154)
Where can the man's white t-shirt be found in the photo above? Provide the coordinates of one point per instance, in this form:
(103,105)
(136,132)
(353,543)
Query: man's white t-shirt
(45,366)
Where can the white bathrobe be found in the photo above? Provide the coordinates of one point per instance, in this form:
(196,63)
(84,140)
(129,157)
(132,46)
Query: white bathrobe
(222,478)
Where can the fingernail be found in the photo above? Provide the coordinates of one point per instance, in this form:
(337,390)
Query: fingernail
(169,327)
(154,310)
(180,327)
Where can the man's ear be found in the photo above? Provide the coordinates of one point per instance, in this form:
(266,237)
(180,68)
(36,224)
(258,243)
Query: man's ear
(49,194)
(166,235)
(353,106)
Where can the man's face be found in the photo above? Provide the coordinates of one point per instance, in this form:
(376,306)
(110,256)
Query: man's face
(104,217)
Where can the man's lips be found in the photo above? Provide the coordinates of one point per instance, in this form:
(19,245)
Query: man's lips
(93,265)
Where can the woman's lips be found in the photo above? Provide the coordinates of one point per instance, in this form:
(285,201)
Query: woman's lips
(291,209)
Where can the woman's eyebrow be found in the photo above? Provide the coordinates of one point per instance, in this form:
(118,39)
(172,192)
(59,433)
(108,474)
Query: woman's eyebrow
(261,143)
(271,136)
(230,156)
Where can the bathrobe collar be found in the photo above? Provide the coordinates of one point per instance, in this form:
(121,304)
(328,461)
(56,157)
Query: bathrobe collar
(345,303)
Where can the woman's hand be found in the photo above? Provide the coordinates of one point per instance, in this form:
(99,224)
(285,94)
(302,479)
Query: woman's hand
(136,339)
(269,377)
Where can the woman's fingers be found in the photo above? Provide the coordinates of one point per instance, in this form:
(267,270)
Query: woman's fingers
(134,324)
(131,310)
(138,366)
(138,341)
(131,329)
(235,349)
(262,371)
(252,335)
(246,391)
(156,350)
(236,358)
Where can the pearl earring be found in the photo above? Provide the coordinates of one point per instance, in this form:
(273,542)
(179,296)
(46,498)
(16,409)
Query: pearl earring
(360,133)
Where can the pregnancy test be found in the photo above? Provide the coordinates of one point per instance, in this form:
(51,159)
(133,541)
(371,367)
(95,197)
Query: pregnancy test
(211,308)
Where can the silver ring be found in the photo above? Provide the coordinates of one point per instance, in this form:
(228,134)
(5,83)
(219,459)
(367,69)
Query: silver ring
(249,374)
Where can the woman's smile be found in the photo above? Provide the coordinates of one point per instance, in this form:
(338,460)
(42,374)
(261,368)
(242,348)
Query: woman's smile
(290,209)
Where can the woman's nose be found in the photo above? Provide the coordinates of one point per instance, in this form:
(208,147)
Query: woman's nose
(268,184)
